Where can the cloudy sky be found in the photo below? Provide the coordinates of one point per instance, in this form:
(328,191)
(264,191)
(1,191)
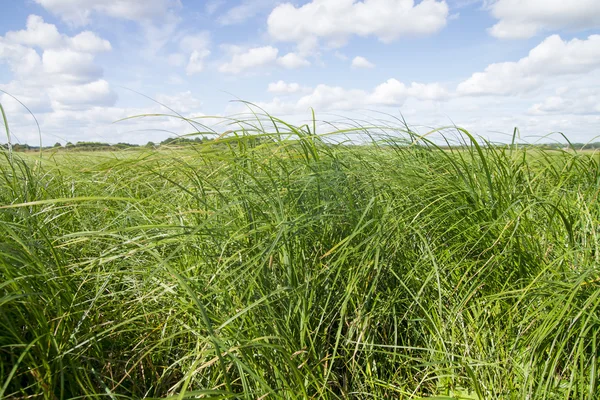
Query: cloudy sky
(486,65)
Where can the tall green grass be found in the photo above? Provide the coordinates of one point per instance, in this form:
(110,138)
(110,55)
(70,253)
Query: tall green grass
(273,263)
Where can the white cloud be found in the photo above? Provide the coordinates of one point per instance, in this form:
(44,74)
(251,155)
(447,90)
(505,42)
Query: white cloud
(88,42)
(388,93)
(550,105)
(23,61)
(64,58)
(284,87)
(231,49)
(197,41)
(156,36)
(292,61)
(252,58)
(78,97)
(578,101)
(71,66)
(196,62)
(197,46)
(244,11)
(34,98)
(525,18)
(37,34)
(391,93)
(325,97)
(243,60)
(59,74)
(79,12)
(183,102)
(96,123)
(64,76)
(237,14)
(427,91)
(46,36)
(361,62)
(335,21)
(553,57)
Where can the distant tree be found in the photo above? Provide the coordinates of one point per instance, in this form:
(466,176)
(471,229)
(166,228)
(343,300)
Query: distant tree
(92,144)
(57,144)
(123,145)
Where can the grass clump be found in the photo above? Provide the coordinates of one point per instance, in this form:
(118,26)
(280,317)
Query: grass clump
(274,263)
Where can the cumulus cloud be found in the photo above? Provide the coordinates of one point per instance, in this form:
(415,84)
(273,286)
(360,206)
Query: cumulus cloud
(336,21)
(196,62)
(282,87)
(78,97)
(245,60)
(79,12)
(292,61)
(23,61)
(553,57)
(39,34)
(197,46)
(520,19)
(325,97)
(550,105)
(53,71)
(63,58)
(579,101)
(361,62)
(184,103)
(71,66)
(96,122)
(154,37)
(394,92)
(88,41)
(36,100)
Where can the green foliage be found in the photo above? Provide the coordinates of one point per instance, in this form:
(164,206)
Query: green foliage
(100,146)
(273,263)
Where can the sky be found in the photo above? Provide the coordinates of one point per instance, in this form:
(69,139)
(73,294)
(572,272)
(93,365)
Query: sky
(81,66)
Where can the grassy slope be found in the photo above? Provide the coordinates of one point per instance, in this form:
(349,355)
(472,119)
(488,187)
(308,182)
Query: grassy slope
(298,269)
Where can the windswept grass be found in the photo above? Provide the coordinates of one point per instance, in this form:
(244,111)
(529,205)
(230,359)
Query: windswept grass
(274,264)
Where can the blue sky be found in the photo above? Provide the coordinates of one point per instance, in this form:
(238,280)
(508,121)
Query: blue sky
(486,65)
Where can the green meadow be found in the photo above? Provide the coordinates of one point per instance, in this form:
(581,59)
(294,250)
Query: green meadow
(276,262)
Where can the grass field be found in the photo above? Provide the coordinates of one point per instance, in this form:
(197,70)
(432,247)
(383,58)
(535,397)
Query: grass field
(290,267)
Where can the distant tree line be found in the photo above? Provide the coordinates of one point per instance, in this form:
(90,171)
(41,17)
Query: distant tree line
(181,141)
(101,146)
(578,146)
(544,146)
